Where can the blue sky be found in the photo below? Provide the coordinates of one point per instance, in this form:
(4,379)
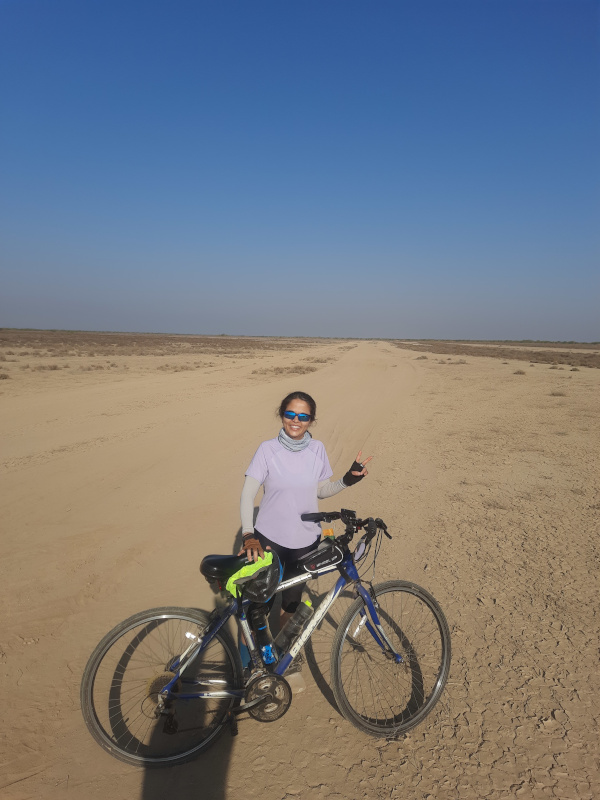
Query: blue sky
(330,168)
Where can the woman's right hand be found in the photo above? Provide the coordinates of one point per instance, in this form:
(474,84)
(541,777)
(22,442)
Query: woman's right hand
(252,547)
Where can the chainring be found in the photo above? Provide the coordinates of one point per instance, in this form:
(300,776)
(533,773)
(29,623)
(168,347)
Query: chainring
(277,693)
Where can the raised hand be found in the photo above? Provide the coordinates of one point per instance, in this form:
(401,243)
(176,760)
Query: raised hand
(363,471)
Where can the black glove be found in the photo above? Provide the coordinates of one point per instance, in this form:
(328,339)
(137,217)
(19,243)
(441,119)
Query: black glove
(350,479)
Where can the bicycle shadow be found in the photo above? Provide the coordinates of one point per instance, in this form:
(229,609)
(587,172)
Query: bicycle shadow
(318,648)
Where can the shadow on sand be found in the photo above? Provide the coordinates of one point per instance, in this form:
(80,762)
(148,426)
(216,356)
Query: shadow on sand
(206,775)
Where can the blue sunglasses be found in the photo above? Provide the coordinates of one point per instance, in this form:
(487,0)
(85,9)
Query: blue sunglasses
(301,417)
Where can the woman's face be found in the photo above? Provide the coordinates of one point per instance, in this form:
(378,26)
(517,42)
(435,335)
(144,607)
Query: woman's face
(293,427)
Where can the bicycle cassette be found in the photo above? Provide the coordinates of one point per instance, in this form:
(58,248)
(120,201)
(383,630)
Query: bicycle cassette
(276,693)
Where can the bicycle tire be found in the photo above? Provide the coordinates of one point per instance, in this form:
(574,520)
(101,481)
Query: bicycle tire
(120,685)
(372,691)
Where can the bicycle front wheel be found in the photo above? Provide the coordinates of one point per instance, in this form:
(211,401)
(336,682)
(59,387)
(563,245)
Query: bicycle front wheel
(130,666)
(373,692)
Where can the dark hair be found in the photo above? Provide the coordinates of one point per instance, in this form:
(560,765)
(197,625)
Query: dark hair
(297,396)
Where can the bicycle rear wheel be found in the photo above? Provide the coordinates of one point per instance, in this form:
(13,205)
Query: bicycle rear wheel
(372,691)
(127,670)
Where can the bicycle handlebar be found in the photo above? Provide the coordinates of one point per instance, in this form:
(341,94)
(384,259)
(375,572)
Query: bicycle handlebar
(351,521)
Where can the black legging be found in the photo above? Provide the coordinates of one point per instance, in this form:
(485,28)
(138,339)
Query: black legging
(290,598)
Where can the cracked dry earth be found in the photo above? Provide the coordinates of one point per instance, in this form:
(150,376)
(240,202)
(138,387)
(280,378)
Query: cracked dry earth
(489,482)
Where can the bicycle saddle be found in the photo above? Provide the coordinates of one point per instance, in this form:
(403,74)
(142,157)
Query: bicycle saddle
(221,568)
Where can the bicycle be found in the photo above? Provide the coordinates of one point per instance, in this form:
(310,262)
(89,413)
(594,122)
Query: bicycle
(163,685)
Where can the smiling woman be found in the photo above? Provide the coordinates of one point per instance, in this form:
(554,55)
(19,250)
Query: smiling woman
(294,470)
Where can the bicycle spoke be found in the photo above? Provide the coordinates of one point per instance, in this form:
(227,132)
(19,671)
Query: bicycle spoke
(120,691)
(374,691)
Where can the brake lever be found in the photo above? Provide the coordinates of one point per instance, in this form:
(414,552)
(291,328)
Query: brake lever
(383,527)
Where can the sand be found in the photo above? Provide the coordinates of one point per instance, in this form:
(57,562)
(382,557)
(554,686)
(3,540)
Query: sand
(117,480)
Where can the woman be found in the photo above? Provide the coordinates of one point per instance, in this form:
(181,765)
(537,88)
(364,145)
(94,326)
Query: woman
(295,472)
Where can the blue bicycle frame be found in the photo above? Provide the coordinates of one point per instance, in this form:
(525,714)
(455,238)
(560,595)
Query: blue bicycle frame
(348,576)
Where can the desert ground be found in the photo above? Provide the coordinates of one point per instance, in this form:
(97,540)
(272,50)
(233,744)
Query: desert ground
(122,461)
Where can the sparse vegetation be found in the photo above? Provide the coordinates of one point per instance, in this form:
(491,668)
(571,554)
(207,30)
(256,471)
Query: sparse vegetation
(558,394)
(560,353)
(519,372)
(298,369)
(177,367)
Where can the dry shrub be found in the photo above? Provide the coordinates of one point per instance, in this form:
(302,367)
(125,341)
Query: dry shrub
(519,372)
(298,369)
(175,367)
(44,367)
(25,366)
(511,350)
(558,394)
(2,357)
(4,376)
(553,367)
(574,369)
(421,358)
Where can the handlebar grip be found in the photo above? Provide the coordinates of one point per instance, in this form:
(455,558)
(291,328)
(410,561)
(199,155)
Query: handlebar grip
(382,527)
(320,516)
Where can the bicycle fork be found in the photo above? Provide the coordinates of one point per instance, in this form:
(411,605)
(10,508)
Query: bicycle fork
(374,625)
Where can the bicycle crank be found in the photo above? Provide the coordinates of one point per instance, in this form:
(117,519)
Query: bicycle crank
(267,698)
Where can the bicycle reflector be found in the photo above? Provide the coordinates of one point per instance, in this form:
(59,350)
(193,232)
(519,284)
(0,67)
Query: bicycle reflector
(257,581)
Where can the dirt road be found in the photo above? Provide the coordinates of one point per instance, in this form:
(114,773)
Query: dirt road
(115,486)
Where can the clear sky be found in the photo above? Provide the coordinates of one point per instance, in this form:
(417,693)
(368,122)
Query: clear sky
(423,169)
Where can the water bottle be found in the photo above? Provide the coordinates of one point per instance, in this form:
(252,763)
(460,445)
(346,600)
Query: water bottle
(294,627)
(262,634)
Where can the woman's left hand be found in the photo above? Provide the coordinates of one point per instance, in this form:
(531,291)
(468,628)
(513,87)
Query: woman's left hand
(357,471)
(364,471)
